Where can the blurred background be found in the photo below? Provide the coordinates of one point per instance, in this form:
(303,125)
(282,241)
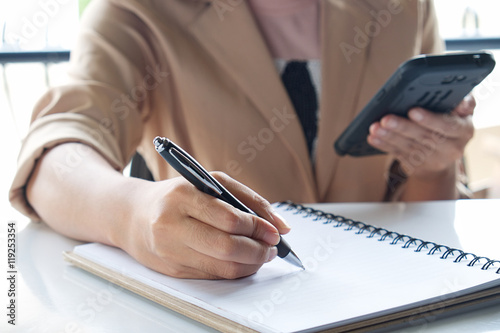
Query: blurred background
(36,36)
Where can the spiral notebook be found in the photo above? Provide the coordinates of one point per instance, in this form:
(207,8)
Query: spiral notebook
(357,277)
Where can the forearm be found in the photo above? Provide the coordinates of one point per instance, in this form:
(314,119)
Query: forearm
(169,226)
(441,186)
(84,198)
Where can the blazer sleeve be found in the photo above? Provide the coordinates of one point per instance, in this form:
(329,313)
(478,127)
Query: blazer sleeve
(104,102)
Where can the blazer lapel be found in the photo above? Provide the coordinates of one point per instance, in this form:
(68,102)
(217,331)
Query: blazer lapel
(221,27)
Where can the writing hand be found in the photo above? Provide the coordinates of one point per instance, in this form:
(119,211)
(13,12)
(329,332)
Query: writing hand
(183,232)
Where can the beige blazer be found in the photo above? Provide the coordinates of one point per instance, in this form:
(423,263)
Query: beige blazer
(200,73)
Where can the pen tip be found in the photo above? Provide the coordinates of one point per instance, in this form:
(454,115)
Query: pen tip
(294,260)
(300,264)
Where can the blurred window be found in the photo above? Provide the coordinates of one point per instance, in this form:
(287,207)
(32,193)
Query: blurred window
(468,18)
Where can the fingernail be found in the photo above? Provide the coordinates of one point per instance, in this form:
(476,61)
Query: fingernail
(273,253)
(391,123)
(281,220)
(416,115)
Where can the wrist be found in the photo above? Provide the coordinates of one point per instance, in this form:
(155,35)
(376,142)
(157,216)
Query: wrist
(131,200)
(436,185)
(446,173)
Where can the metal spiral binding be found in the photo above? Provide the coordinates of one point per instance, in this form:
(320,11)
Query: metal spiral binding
(394,237)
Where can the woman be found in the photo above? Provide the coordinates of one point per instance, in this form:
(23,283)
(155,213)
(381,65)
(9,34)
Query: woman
(207,75)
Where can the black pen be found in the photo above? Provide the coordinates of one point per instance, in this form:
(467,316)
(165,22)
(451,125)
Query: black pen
(190,169)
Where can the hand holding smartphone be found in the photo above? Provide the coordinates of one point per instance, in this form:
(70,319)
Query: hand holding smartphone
(435,82)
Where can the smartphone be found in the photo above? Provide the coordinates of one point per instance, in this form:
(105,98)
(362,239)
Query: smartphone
(435,82)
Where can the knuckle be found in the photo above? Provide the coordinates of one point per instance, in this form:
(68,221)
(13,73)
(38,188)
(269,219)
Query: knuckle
(226,247)
(177,271)
(428,145)
(209,268)
(178,186)
(232,221)
(260,201)
(203,205)
(176,196)
(262,254)
(233,270)
(225,270)
(183,190)
(199,235)
(257,227)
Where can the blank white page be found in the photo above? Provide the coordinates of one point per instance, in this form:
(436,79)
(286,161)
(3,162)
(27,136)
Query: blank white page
(348,277)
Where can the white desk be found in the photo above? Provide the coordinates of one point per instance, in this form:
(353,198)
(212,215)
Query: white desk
(56,297)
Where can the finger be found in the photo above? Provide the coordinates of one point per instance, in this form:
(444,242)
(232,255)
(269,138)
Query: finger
(446,125)
(226,247)
(228,270)
(225,217)
(415,140)
(407,153)
(429,125)
(425,154)
(254,201)
(182,271)
(450,124)
(389,142)
(393,128)
(200,251)
(466,106)
(197,265)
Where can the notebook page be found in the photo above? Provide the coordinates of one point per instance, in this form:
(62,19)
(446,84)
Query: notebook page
(347,277)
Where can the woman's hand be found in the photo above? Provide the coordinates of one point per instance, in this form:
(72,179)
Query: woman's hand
(183,232)
(429,148)
(169,226)
(427,143)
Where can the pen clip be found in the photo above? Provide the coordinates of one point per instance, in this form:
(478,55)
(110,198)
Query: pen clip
(195,171)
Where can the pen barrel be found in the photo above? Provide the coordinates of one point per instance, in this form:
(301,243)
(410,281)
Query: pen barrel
(230,199)
(283,248)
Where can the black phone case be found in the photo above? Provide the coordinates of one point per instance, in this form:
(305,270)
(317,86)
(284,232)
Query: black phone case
(435,82)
